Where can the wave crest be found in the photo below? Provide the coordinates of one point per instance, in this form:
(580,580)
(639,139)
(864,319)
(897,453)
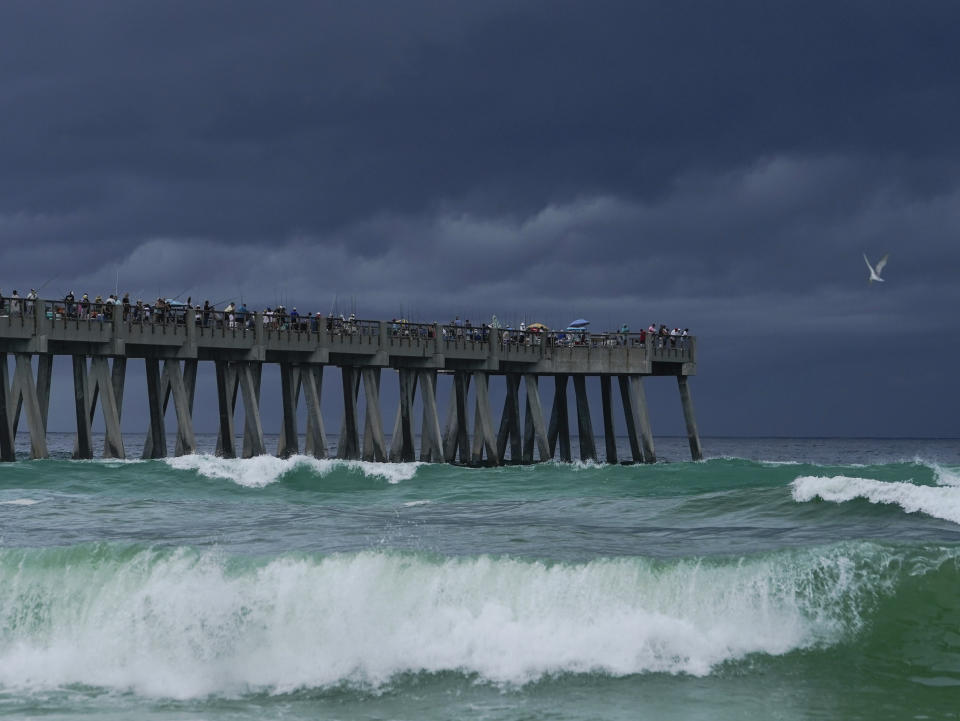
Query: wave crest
(183,624)
(263,470)
(937,501)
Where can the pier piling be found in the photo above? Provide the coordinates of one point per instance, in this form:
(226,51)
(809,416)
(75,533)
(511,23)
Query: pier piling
(696,452)
(100,342)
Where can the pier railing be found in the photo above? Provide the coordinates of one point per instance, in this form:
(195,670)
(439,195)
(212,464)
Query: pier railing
(99,322)
(101,337)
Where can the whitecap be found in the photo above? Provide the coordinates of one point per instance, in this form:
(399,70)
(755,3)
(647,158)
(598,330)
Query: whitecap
(188,625)
(20,502)
(937,501)
(264,470)
(944,475)
(578,464)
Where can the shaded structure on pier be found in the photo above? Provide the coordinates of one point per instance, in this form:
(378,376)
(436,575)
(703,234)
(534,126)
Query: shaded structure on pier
(173,345)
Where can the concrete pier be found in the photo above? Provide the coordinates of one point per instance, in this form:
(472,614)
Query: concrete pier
(560,420)
(609,436)
(696,452)
(100,344)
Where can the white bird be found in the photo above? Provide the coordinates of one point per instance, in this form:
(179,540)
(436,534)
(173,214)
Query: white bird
(876,271)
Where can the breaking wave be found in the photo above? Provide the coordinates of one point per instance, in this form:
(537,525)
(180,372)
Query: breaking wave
(937,501)
(264,470)
(182,623)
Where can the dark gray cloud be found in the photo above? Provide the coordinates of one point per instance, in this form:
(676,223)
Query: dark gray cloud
(714,165)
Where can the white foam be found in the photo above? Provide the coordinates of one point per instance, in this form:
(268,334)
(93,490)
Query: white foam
(109,462)
(264,470)
(409,504)
(580,465)
(186,626)
(19,502)
(944,475)
(938,501)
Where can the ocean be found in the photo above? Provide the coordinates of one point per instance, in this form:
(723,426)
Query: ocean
(778,579)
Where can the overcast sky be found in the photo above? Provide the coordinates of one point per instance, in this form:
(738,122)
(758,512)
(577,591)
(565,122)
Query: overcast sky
(715,165)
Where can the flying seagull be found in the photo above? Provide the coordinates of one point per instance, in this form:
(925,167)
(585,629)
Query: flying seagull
(875,272)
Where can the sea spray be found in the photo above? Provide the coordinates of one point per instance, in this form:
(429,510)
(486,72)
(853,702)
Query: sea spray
(183,623)
(946,475)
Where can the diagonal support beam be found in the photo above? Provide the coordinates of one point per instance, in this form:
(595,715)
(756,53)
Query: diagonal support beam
(158,434)
(186,440)
(610,440)
(289,388)
(374,444)
(24,394)
(431,441)
(402,439)
(461,381)
(451,427)
(226,401)
(113,441)
(349,447)
(402,444)
(535,418)
(84,444)
(696,451)
(44,378)
(643,414)
(316,443)
(560,421)
(7,452)
(483,428)
(248,376)
(165,402)
(588,448)
(189,388)
(510,422)
(632,418)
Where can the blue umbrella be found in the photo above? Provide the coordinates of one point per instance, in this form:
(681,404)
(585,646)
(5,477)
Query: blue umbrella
(579,323)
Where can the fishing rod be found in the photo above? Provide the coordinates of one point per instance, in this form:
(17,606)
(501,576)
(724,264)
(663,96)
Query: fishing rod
(47,283)
(180,293)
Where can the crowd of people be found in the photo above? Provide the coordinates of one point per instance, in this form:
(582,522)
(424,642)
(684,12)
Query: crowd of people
(237,315)
(15,305)
(459,329)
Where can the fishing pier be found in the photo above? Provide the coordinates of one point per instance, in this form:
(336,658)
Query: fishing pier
(173,344)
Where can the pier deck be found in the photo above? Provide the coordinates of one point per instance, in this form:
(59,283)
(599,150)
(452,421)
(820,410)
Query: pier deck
(101,344)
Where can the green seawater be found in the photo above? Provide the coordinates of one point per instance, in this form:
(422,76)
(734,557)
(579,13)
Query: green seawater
(779,579)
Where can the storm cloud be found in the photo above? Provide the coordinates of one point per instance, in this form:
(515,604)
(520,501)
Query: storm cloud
(718,166)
